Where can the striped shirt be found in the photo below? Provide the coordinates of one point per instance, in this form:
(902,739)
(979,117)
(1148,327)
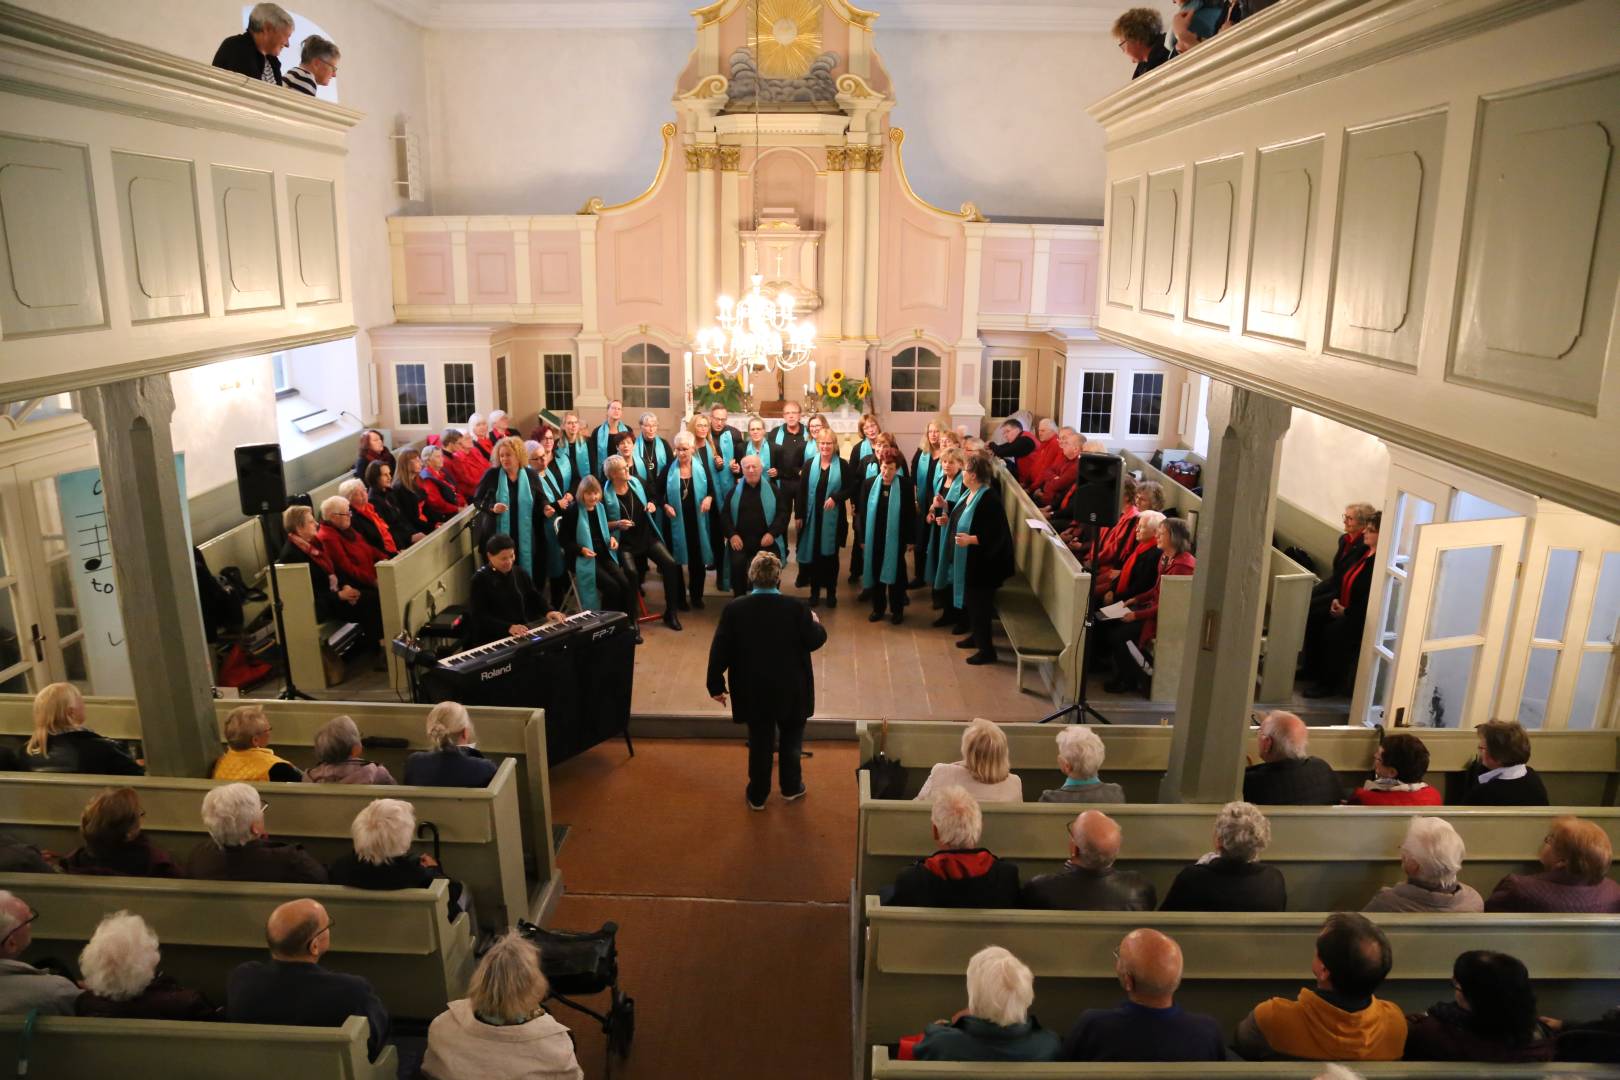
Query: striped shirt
(300,79)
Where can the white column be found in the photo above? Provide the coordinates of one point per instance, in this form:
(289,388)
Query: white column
(966,409)
(592,390)
(1040,274)
(829,320)
(708,228)
(694,316)
(458,258)
(1228,597)
(396,264)
(731,281)
(523,287)
(854,322)
(874,208)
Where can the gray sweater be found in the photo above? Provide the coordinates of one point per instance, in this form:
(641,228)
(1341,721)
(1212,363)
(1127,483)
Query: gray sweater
(1410,897)
(1098,793)
(24,987)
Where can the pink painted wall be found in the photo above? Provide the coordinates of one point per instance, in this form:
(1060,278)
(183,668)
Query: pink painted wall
(641,260)
(1071,278)
(1007,273)
(554,267)
(921,269)
(429,278)
(491,268)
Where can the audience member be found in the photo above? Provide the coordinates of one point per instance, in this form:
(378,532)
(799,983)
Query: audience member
(114,843)
(1575,858)
(62,744)
(1431,857)
(317,65)
(255,51)
(121,978)
(1399,765)
(1492,1017)
(1046,451)
(1231,878)
(1130,637)
(1502,776)
(292,988)
(24,987)
(984,771)
(1013,443)
(441,499)
(1139,33)
(1089,880)
(352,556)
(454,760)
(1150,1026)
(997,1024)
(500,1030)
(382,858)
(20,857)
(367,522)
(1080,755)
(401,518)
(239,849)
(1062,473)
(1339,1019)
(960,873)
(249,757)
(1198,18)
(1334,624)
(338,747)
(1287,774)
(372,446)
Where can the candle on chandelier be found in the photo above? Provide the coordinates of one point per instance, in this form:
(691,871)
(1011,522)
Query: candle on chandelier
(688,385)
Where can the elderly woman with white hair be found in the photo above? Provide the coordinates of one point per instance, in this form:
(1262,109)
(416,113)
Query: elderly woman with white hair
(984,770)
(454,760)
(365,519)
(997,1024)
(501,1030)
(441,499)
(1079,755)
(960,873)
(1232,877)
(121,977)
(1431,857)
(338,756)
(239,849)
(382,859)
(338,594)
(1139,571)
(353,557)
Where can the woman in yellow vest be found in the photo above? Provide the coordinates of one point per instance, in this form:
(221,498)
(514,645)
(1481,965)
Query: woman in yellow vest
(250,759)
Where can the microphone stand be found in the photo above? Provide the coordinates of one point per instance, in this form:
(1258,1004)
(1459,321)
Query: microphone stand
(289,691)
(1082,708)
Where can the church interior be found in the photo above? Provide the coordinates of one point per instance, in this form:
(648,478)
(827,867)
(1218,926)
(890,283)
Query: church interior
(1202,393)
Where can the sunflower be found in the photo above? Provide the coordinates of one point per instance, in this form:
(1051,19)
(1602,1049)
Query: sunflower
(815,388)
(835,390)
(837,375)
(865,388)
(717,385)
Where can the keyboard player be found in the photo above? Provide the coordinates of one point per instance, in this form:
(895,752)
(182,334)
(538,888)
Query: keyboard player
(503,601)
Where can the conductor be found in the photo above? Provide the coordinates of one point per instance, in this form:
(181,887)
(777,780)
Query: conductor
(503,601)
(763,643)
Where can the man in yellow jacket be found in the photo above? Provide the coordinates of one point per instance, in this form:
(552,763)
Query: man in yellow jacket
(250,759)
(1340,1020)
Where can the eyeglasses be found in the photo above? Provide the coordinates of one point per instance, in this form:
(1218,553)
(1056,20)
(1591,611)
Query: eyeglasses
(32,915)
(327,929)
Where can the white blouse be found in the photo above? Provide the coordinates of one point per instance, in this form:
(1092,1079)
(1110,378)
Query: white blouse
(955,774)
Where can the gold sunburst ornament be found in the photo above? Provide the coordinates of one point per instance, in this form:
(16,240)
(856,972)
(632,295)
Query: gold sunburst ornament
(786,37)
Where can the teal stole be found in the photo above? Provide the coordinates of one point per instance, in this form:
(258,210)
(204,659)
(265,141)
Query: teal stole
(959,556)
(927,478)
(562,475)
(763,452)
(660,452)
(677,524)
(603,437)
(725,444)
(767,503)
(819,522)
(616,509)
(939,566)
(518,521)
(890,574)
(585,569)
(576,459)
(551,492)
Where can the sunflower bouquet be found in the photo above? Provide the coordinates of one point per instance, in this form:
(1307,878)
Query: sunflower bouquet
(841,389)
(719,388)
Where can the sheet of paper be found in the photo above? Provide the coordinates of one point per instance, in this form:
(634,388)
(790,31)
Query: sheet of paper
(1113,611)
(1038,523)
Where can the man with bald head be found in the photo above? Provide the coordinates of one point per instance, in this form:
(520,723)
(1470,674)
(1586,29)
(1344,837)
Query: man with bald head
(1150,1026)
(1089,880)
(1286,773)
(24,987)
(293,988)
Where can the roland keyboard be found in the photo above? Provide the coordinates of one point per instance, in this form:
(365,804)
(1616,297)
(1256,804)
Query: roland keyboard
(546,636)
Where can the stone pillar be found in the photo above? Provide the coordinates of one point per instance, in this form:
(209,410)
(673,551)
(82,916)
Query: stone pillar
(157,584)
(1228,597)
(854,322)
(731,279)
(708,227)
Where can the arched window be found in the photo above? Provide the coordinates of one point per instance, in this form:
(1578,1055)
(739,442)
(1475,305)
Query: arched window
(644,377)
(915,380)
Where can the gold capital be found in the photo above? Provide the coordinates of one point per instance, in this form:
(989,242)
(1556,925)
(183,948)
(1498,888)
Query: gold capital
(858,157)
(729,157)
(874,158)
(691,159)
(837,158)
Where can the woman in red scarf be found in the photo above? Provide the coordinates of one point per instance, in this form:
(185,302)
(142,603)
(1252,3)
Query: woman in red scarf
(464,466)
(365,519)
(372,448)
(441,500)
(1333,633)
(337,595)
(1140,623)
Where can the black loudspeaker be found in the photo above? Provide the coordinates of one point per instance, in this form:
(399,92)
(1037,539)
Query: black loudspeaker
(1096,498)
(259,479)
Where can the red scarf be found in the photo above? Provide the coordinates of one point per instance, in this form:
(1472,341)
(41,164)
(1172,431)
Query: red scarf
(1125,571)
(371,515)
(317,553)
(1349,579)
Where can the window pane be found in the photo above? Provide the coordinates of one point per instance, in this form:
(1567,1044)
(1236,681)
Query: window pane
(1006,383)
(1538,679)
(903,379)
(459,399)
(1462,581)
(1147,399)
(559,369)
(73,660)
(902,401)
(1595,670)
(1556,587)
(50,518)
(411,380)
(927,401)
(1469,507)
(1606,602)
(1393,591)
(1380,685)
(1097,402)
(658,398)
(928,379)
(1442,693)
(1410,513)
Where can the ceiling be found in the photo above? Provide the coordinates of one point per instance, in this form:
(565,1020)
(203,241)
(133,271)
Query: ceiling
(1041,16)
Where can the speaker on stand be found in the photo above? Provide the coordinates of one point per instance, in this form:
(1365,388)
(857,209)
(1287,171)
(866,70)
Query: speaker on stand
(262,486)
(1099,487)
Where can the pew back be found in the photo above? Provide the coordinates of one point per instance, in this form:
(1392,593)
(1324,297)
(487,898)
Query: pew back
(432,574)
(402,941)
(885,1069)
(478,828)
(86,1047)
(1580,768)
(1059,586)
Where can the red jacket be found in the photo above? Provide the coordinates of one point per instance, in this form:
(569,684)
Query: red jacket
(1061,476)
(441,499)
(1146,606)
(353,558)
(464,469)
(390,547)
(1427,795)
(1031,466)
(1116,542)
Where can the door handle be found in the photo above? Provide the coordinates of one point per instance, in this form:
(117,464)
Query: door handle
(39,644)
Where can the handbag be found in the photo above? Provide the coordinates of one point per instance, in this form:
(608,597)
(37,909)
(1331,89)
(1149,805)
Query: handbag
(888,774)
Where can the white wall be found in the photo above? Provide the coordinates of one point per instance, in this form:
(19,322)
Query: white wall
(217,407)
(1326,465)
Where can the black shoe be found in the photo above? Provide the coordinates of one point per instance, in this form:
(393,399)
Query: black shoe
(982,658)
(854,577)
(698,603)
(916,583)
(796,796)
(815,597)
(943,620)
(895,617)
(638,636)
(960,628)
(832,599)
(752,805)
(866,594)
(672,620)
(684,604)
(876,616)
(967,643)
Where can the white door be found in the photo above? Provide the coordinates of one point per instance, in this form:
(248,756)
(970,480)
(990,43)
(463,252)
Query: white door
(41,637)
(1455,623)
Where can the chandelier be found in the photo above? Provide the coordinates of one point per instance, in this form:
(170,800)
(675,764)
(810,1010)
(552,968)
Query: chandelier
(758,332)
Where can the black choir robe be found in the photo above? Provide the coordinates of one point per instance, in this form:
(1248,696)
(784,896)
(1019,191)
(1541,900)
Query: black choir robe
(750,523)
(900,486)
(498,600)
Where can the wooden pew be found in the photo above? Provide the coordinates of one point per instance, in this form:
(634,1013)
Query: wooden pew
(885,1069)
(515,734)
(916,957)
(87,1047)
(1329,865)
(402,941)
(1043,607)
(478,828)
(426,577)
(1580,768)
